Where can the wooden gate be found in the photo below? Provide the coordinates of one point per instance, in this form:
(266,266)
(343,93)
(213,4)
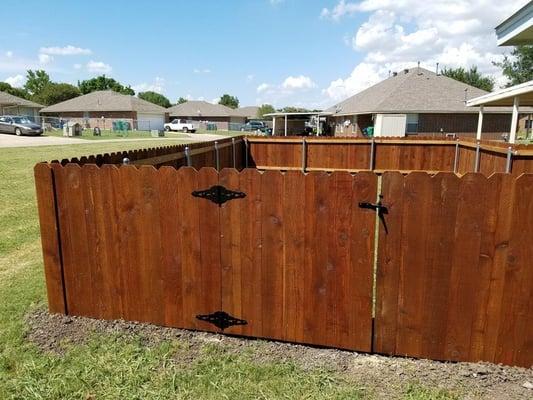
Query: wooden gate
(292,260)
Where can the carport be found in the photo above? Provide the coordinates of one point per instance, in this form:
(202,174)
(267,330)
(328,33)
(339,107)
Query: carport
(294,123)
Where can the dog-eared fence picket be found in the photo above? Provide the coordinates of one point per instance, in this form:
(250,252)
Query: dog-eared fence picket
(431,266)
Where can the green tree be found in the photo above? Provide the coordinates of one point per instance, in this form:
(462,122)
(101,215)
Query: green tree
(36,81)
(19,92)
(265,109)
(54,93)
(102,82)
(471,77)
(156,98)
(229,101)
(182,100)
(293,109)
(519,68)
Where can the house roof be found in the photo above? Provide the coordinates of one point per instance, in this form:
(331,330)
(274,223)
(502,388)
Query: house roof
(105,100)
(506,96)
(7,99)
(194,108)
(414,90)
(518,28)
(249,112)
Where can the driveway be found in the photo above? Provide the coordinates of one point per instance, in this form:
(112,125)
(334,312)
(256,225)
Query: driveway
(30,141)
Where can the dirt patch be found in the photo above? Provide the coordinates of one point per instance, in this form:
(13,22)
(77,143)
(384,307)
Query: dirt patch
(387,377)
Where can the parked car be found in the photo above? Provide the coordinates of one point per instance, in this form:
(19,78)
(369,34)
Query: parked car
(180,125)
(19,125)
(256,126)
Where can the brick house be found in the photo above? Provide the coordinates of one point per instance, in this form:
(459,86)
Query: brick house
(101,108)
(419,102)
(223,117)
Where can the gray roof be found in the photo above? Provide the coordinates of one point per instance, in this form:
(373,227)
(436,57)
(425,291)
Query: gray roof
(7,99)
(194,108)
(415,90)
(105,100)
(249,112)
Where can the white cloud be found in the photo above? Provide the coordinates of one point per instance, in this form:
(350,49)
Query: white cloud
(298,83)
(99,67)
(398,33)
(45,59)
(9,54)
(201,71)
(158,86)
(215,100)
(65,51)
(16,81)
(262,87)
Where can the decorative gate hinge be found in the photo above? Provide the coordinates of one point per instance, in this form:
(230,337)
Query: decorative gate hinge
(381,209)
(221,319)
(218,194)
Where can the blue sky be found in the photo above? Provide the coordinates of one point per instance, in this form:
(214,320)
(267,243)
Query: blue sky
(285,52)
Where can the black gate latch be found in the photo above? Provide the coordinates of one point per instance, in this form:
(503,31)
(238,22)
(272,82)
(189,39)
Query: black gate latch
(218,194)
(221,319)
(382,210)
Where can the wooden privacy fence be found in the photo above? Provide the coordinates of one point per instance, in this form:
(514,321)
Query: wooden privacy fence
(382,154)
(293,256)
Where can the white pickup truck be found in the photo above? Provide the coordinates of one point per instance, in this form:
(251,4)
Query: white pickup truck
(180,125)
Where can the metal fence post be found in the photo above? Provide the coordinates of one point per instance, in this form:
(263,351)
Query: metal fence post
(509,163)
(372,154)
(247,149)
(456,160)
(304,155)
(233,152)
(188,156)
(217,158)
(476,162)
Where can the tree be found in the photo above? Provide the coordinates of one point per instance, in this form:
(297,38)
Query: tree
(471,77)
(229,101)
(265,109)
(54,93)
(36,81)
(104,83)
(293,109)
(182,100)
(519,68)
(155,98)
(19,92)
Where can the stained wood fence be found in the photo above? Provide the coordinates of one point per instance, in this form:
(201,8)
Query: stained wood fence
(424,265)
(386,154)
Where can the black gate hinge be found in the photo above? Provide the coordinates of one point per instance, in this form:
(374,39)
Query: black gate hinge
(381,209)
(218,194)
(221,319)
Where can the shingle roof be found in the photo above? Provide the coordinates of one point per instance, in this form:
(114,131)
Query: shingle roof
(249,112)
(417,90)
(200,109)
(10,100)
(105,100)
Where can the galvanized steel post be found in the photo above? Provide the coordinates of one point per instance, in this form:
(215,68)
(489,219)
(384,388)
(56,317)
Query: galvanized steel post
(456,160)
(372,154)
(233,151)
(188,156)
(217,156)
(247,149)
(304,155)
(509,163)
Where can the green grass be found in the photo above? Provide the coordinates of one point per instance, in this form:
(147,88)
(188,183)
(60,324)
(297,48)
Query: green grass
(109,134)
(111,367)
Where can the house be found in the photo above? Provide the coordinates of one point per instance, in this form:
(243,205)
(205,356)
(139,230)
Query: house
(250,112)
(416,101)
(102,108)
(514,31)
(223,117)
(13,105)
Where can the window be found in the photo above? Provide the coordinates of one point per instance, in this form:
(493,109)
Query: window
(529,123)
(412,124)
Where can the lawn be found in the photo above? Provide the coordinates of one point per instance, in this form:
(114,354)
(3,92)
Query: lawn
(110,366)
(109,134)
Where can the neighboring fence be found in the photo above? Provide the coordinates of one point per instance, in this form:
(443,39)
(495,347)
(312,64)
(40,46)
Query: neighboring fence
(349,154)
(293,256)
